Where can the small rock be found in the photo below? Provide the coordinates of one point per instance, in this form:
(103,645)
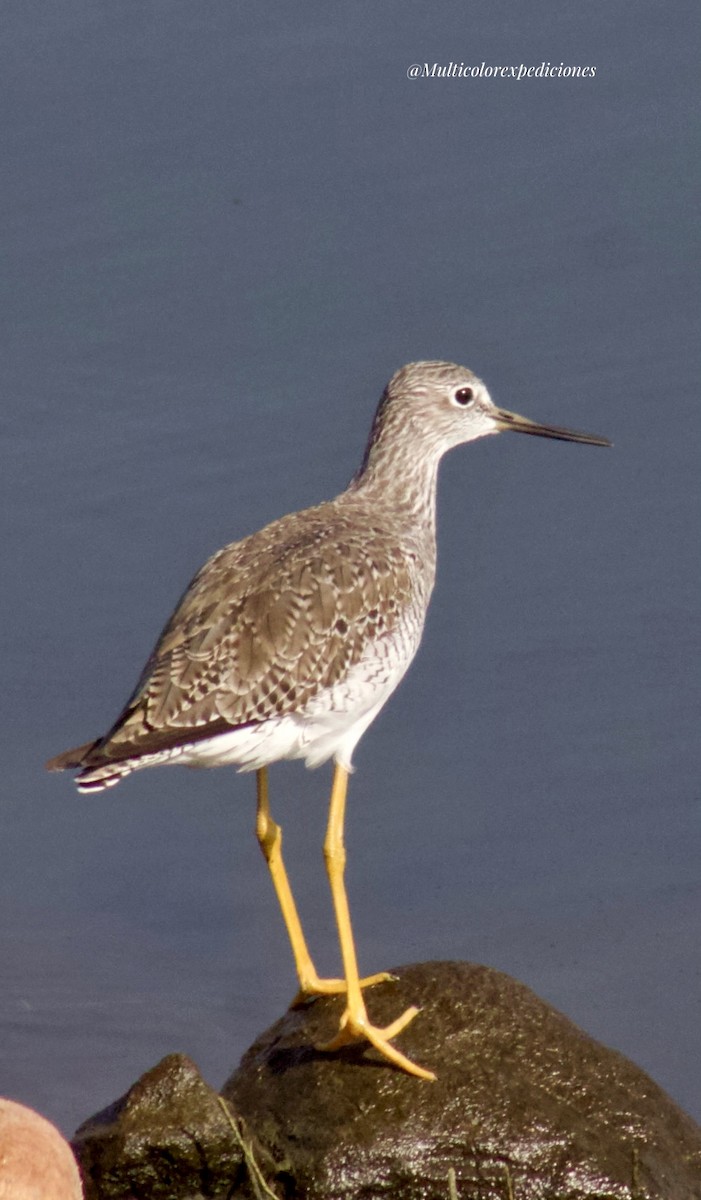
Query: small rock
(168,1137)
(35,1161)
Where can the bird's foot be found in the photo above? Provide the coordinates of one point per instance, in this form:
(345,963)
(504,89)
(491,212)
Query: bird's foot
(356,1027)
(312,985)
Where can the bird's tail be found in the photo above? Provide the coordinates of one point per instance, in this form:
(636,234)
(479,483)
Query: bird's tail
(91,778)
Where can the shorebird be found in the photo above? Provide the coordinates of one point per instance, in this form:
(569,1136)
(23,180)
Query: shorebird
(288,643)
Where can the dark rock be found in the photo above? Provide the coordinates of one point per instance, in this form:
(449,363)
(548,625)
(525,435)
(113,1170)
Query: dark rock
(168,1137)
(525,1107)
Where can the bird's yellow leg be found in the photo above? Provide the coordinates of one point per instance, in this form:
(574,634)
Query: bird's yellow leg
(269,837)
(355,1025)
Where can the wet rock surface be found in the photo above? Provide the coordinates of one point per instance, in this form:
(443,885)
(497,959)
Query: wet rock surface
(525,1107)
(168,1137)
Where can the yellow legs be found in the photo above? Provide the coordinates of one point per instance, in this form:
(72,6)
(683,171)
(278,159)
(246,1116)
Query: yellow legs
(355,1025)
(269,836)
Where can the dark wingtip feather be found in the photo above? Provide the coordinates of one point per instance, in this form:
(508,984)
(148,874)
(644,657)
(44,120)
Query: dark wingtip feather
(70,759)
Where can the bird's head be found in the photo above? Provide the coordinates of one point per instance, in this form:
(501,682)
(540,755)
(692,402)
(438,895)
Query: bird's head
(444,405)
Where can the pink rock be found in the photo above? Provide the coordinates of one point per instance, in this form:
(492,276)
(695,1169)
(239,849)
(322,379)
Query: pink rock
(36,1163)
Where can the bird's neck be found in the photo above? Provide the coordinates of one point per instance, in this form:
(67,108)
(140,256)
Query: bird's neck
(397,480)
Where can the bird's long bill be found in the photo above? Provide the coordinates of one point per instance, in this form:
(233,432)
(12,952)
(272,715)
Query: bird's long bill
(509,420)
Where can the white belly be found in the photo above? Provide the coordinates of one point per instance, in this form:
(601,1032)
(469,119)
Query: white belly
(329,727)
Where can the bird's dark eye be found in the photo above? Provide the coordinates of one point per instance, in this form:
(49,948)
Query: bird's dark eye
(464,396)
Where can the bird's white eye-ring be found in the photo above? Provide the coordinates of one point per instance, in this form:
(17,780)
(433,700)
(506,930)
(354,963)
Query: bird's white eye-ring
(464,396)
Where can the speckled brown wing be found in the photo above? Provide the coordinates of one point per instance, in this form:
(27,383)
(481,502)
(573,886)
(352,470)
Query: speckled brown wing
(266,624)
